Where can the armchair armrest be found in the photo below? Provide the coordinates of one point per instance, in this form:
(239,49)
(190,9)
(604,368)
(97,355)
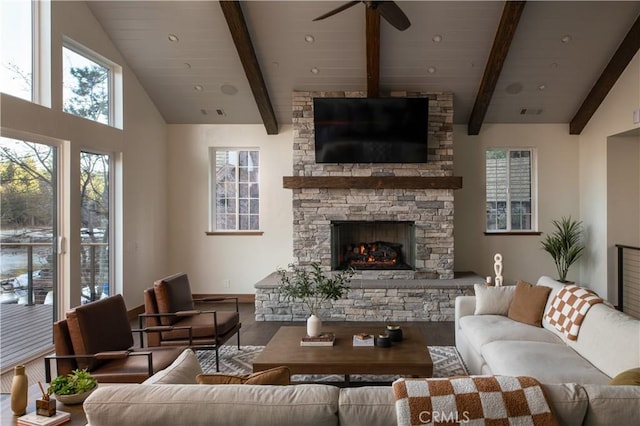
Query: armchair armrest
(99,355)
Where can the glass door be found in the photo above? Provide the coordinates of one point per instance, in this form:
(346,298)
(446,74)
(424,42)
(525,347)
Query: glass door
(28,248)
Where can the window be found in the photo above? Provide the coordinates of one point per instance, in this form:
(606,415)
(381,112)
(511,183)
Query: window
(91,85)
(236,190)
(510,190)
(24,43)
(95,220)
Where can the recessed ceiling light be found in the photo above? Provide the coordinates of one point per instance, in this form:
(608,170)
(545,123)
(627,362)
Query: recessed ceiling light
(554,65)
(514,88)
(309,38)
(437,38)
(228,89)
(566,38)
(173,38)
(542,87)
(198,88)
(314,70)
(204,111)
(431,70)
(187,66)
(275,64)
(220,112)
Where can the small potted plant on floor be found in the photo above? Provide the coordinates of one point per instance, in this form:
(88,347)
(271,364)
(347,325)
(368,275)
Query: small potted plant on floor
(73,388)
(313,287)
(564,245)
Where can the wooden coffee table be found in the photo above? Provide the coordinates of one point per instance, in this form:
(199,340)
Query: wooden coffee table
(409,357)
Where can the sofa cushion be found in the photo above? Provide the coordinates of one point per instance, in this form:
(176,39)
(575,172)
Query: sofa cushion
(367,406)
(528,303)
(629,377)
(547,362)
(173,294)
(482,329)
(569,402)
(153,405)
(609,339)
(273,376)
(493,300)
(612,405)
(182,371)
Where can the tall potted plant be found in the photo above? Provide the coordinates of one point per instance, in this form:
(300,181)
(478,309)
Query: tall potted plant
(313,287)
(564,244)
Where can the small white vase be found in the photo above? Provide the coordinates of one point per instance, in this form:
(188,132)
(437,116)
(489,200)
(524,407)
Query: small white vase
(314,326)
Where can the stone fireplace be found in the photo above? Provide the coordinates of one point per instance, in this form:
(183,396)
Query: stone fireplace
(379,211)
(317,209)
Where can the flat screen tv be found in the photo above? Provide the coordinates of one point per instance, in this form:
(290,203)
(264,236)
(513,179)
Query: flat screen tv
(371,130)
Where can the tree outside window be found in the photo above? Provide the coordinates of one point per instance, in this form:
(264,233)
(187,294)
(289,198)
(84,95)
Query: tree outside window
(510,201)
(86,87)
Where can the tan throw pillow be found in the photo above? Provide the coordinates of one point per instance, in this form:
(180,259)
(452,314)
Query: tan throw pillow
(528,303)
(629,377)
(273,376)
(493,300)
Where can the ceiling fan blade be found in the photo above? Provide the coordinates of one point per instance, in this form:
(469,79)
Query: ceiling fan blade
(393,14)
(337,10)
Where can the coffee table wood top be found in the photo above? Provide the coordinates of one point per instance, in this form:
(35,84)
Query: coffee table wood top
(408,357)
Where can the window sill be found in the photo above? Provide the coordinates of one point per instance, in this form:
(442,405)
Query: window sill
(513,233)
(243,233)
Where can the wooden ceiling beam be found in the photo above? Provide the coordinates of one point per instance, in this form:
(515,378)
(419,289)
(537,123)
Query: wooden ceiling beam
(241,38)
(373,52)
(616,66)
(504,35)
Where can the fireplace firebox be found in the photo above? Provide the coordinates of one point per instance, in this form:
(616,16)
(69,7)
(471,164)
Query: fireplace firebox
(372,245)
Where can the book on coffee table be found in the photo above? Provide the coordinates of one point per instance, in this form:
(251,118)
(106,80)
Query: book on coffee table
(324,339)
(363,339)
(32,419)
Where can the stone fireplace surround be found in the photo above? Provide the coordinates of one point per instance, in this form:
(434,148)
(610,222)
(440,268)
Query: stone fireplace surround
(424,293)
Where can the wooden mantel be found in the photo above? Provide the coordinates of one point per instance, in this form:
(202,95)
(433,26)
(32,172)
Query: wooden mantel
(372,182)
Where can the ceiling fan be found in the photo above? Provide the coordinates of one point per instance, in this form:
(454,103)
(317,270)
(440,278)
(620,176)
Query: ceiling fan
(388,9)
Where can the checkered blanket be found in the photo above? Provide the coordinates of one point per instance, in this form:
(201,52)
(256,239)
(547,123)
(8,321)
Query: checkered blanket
(472,400)
(569,308)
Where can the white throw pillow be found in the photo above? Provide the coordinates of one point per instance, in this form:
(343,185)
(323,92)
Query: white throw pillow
(493,300)
(182,371)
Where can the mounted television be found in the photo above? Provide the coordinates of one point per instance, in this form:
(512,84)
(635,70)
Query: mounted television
(371,130)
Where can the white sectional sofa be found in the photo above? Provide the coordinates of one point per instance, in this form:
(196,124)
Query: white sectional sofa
(608,344)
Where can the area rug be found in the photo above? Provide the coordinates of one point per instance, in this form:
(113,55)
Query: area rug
(446,363)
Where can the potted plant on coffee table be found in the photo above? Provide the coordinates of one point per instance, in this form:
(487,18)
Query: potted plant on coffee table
(73,388)
(564,245)
(313,287)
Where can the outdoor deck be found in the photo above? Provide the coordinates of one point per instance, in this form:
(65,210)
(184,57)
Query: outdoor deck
(25,332)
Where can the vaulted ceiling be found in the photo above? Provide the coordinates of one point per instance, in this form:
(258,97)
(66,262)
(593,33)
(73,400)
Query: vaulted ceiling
(505,62)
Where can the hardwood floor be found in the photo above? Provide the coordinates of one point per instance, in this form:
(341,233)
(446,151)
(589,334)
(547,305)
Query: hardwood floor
(260,332)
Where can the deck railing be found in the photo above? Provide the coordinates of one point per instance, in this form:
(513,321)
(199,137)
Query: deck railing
(629,279)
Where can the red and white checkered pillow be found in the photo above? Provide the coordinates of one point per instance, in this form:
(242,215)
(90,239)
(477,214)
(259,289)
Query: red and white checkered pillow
(569,307)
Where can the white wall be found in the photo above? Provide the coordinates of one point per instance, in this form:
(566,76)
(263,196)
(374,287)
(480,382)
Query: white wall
(612,118)
(623,200)
(241,259)
(141,146)
(523,256)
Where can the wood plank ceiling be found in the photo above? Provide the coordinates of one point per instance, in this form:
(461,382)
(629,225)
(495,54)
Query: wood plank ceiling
(545,57)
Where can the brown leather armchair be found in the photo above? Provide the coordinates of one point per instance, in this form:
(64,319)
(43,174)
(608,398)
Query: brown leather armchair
(98,336)
(170,303)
